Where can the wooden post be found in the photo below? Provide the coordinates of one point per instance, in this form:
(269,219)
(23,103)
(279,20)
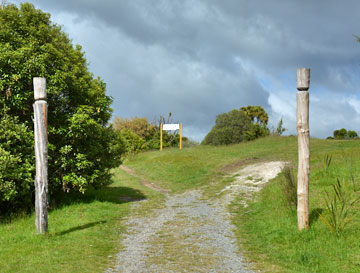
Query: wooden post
(161,129)
(41,153)
(303,82)
(180,136)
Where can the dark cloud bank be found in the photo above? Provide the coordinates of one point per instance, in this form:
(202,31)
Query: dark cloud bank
(197,59)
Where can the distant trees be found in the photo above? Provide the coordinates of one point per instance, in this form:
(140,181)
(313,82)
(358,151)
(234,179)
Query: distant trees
(82,147)
(236,126)
(138,134)
(344,134)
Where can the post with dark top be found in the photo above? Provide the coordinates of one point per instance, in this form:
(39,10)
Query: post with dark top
(303,82)
(41,155)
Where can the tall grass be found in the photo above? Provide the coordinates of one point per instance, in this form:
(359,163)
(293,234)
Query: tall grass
(289,186)
(340,208)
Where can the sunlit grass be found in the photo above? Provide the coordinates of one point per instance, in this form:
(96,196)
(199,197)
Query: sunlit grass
(84,233)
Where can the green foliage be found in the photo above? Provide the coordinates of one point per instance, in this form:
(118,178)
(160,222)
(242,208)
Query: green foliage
(340,208)
(236,126)
(289,186)
(326,163)
(343,134)
(139,126)
(169,140)
(82,148)
(280,129)
(352,134)
(16,163)
(230,128)
(148,132)
(133,142)
(257,114)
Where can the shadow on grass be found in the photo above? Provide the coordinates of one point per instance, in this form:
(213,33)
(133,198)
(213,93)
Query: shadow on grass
(314,215)
(117,195)
(89,225)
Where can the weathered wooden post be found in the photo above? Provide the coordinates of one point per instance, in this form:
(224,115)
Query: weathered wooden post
(41,155)
(303,82)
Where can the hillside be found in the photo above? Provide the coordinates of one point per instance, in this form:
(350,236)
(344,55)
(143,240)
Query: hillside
(267,229)
(93,227)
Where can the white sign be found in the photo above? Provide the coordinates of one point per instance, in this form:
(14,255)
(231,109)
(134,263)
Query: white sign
(171,127)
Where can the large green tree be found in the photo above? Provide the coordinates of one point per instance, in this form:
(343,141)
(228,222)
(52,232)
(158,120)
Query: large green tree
(230,128)
(82,147)
(236,126)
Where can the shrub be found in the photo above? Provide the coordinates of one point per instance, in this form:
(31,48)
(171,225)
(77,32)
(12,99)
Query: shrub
(230,128)
(82,147)
(139,126)
(16,163)
(236,126)
(340,208)
(343,133)
(133,142)
(289,186)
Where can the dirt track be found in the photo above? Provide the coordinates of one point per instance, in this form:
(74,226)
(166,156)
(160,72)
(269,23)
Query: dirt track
(191,234)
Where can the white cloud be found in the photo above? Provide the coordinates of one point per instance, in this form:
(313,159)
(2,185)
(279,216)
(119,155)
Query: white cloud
(199,58)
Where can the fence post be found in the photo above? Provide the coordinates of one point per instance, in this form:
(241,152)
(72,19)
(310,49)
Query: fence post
(41,154)
(303,82)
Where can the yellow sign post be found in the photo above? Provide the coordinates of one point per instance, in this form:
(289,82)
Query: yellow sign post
(170,127)
(180,136)
(161,129)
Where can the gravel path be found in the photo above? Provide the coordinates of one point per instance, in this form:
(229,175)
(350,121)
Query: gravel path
(191,234)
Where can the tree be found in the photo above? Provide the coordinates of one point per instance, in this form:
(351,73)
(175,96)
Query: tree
(82,147)
(352,134)
(343,133)
(257,114)
(280,129)
(232,127)
(139,126)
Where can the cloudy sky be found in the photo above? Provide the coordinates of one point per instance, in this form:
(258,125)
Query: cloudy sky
(200,58)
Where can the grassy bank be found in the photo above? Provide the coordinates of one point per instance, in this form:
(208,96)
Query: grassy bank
(267,229)
(84,231)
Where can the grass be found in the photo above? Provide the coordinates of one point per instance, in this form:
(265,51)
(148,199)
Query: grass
(198,166)
(84,231)
(267,229)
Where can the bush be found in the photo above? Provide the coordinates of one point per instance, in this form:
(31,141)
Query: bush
(236,126)
(139,126)
(133,142)
(340,208)
(16,163)
(289,186)
(82,147)
(344,134)
(148,132)
(232,127)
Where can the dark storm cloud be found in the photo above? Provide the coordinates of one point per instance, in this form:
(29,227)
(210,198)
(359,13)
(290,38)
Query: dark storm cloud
(200,58)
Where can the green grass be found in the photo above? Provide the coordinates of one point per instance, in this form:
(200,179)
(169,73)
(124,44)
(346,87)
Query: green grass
(267,229)
(84,232)
(198,166)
